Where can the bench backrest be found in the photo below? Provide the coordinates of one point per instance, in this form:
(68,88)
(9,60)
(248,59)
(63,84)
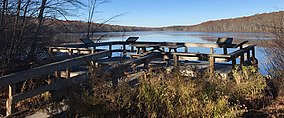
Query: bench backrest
(224,40)
(132,39)
(87,41)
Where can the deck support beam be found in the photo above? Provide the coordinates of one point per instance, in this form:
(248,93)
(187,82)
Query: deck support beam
(225,50)
(242,59)
(212,64)
(253,52)
(186,49)
(10,106)
(175,60)
(248,56)
(234,62)
(110,48)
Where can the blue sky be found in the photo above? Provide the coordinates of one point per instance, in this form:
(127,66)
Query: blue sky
(155,13)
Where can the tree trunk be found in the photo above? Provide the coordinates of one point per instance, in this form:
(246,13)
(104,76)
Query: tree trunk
(23,25)
(15,31)
(4,8)
(32,53)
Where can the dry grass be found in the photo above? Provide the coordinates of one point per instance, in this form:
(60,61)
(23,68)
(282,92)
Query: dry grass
(161,94)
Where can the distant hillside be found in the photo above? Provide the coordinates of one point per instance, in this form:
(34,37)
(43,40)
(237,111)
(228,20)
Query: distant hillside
(82,27)
(243,24)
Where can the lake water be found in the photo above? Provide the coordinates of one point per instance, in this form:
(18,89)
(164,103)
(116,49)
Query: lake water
(193,37)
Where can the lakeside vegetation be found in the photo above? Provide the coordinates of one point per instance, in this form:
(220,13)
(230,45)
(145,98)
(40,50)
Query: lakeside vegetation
(163,94)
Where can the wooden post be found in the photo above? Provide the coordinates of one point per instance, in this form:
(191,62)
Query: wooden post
(185,49)
(9,102)
(94,48)
(211,64)
(175,49)
(253,52)
(242,60)
(233,62)
(57,74)
(144,49)
(70,51)
(50,51)
(248,56)
(175,60)
(67,73)
(138,50)
(132,48)
(242,56)
(225,50)
(67,69)
(110,48)
(146,63)
(124,50)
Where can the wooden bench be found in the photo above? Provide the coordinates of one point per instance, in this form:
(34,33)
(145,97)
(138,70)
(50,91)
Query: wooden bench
(141,48)
(87,41)
(224,41)
(132,39)
(172,47)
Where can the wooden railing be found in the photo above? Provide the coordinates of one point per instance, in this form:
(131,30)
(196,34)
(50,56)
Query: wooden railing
(54,68)
(244,49)
(58,84)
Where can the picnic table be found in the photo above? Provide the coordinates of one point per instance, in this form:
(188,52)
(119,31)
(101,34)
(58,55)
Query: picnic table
(141,48)
(160,47)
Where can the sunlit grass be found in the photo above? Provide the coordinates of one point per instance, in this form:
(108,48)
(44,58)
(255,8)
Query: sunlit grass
(161,94)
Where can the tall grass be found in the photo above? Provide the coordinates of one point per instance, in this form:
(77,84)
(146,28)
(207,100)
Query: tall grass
(161,94)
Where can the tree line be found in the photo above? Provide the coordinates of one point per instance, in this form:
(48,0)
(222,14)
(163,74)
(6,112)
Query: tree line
(243,24)
(82,27)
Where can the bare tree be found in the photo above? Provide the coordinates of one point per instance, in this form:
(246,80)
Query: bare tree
(24,31)
(276,46)
(93,5)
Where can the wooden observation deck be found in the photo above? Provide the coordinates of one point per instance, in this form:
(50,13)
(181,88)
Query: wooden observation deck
(125,56)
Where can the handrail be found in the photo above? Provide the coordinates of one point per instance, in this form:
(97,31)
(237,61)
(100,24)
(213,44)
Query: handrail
(241,44)
(58,85)
(186,44)
(209,55)
(49,68)
(241,51)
